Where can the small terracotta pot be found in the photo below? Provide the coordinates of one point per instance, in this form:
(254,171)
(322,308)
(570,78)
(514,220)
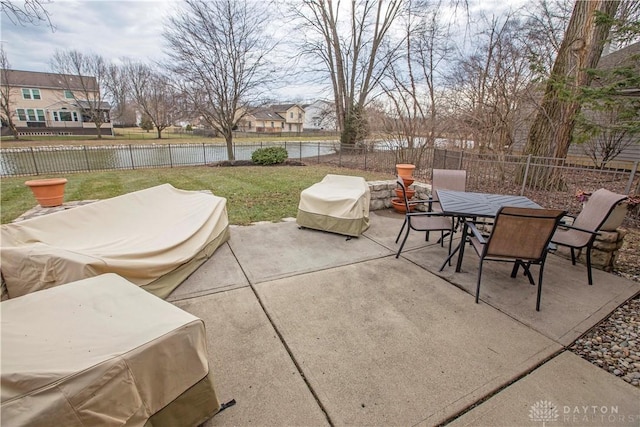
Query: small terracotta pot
(405,169)
(48,192)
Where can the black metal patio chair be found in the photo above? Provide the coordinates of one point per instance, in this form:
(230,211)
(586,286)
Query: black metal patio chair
(423,221)
(586,226)
(518,235)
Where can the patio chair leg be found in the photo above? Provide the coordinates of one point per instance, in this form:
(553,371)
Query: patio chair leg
(450,243)
(539,287)
(527,273)
(573,256)
(589,275)
(403,241)
(478,284)
(516,266)
(401,229)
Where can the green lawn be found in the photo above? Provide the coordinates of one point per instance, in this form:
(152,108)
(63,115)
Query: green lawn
(254,193)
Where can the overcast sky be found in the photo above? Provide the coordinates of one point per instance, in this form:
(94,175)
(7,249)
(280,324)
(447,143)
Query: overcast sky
(116,29)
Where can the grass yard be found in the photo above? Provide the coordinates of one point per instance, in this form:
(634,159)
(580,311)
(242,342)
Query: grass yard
(136,136)
(254,193)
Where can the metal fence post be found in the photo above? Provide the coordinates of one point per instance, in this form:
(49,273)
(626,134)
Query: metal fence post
(365,158)
(33,158)
(131,156)
(86,158)
(634,169)
(526,174)
(204,154)
(170,158)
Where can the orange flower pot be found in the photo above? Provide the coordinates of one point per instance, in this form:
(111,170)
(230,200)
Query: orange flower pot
(405,170)
(410,193)
(48,192)
(399,206)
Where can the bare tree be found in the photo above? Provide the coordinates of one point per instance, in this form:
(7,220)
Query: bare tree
(154,95)
(349,43)
(30,12)
(491,84)
(544,25)
(6,107)
(219,52)
(411,124)
(117,87)
(585,36)
(85,77)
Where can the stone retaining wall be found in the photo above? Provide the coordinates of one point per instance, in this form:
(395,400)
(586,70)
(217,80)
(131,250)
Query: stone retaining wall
(604,252)
(383,191)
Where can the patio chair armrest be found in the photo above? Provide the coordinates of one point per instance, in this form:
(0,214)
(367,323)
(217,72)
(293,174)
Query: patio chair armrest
(476,233)
(427,214)
(562,221)
(580,229)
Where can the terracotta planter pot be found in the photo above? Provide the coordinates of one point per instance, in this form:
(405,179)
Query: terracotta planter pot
(407,181)
(405,169)
(48,192)
(410,193)
(399,206)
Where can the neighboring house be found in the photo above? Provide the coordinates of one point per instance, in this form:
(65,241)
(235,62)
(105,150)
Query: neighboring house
(320,115)
(279,118)
(42,104)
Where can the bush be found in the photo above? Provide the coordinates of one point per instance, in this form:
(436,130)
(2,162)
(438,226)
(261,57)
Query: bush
(269,155)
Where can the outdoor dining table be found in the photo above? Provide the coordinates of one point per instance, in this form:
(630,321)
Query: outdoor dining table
(462,205)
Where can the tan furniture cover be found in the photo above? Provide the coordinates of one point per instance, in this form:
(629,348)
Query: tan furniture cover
(99,352)
(338,203)
(154,238)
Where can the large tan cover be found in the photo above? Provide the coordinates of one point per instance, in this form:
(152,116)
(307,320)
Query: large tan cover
(154,238)
(338,203)
(97,352)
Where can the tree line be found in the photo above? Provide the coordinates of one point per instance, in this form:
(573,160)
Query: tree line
(405,70)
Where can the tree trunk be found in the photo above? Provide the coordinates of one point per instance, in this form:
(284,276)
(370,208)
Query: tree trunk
(228,137)
(550,133)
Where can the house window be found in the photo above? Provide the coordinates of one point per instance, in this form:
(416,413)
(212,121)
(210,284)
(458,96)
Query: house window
(249,125)
(272,124)
(65,116)
(289,127)
(291,115)
(299,115)
(30,93)
(30,115)
(68,94)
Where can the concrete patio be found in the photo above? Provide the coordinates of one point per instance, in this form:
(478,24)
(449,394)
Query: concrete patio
(309,328)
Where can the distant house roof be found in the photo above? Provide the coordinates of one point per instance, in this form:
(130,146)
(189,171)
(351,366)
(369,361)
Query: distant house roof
(266,114)
(85,105)
(283,107)
(34,79)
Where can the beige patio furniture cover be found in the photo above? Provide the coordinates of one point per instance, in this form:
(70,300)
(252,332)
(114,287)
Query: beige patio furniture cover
(154,238)
(100,352)
(338,203)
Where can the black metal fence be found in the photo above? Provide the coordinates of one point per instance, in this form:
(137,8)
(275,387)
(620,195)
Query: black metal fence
(551,182)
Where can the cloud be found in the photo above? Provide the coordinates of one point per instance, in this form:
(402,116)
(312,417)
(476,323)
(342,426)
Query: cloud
(112,29)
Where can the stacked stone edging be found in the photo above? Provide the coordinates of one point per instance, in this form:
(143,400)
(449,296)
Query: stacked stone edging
(383,191)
